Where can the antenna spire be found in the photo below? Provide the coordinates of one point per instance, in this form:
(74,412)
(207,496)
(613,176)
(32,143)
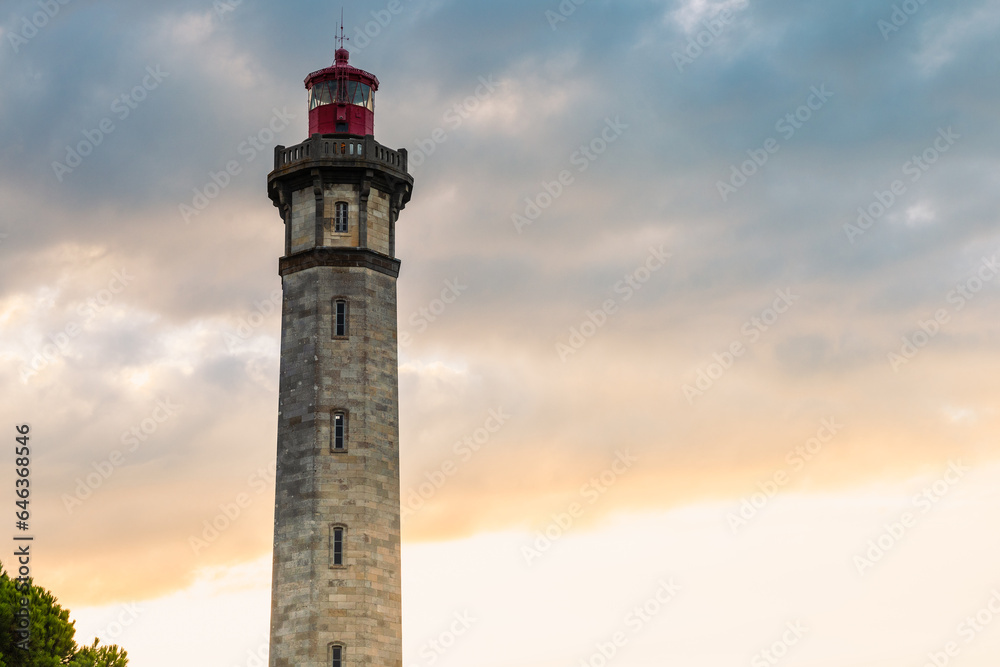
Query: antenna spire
(341,38)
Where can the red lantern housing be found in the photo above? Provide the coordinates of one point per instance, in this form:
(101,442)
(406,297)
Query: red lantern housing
(341,99)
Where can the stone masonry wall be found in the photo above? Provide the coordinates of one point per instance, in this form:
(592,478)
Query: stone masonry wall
(331,195)
(315,603)
(303,219)
(378,221)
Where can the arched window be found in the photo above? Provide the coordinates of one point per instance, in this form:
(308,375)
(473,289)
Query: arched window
(338,432)
(337,534)
(337,655)
(340,318)
(340,217)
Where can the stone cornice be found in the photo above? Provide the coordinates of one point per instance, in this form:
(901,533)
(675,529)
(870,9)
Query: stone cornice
(349,257)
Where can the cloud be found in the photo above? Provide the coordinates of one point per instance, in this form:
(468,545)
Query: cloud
(193,323)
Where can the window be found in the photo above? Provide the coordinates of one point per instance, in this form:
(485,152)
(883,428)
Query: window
(340,318)
(337,546)
(339,432)
(340,217)
(337,655)
(341,92)
(320,94)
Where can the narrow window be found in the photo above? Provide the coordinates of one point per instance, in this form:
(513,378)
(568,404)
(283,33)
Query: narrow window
(340,318)
(337,546)
(340,218)
(339,431)
(337,655)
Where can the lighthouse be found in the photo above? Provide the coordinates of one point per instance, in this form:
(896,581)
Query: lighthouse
(335,598)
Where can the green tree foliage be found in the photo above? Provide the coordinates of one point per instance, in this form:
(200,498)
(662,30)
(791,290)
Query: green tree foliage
(99,656)
(51,642)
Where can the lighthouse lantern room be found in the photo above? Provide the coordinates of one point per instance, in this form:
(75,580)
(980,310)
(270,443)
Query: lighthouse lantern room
(341,99)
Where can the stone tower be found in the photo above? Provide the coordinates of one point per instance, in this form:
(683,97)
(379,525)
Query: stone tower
(335,598)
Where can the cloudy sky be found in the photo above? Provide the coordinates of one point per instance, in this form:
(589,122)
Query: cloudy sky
(727,271)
